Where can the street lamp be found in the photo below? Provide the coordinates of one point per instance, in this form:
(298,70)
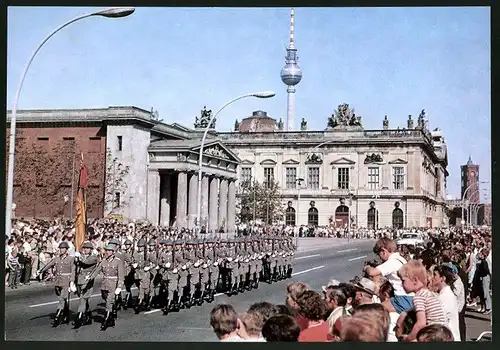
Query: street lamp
(109,13)
(467,190)
(264,94)
(299,186)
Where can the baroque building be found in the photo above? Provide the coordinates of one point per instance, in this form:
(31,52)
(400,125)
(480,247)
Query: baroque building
(370,178)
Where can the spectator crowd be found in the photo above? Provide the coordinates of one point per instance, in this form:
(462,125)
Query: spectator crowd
(414,294)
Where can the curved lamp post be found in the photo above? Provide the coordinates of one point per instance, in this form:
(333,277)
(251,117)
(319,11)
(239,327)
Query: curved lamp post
(109,13)
(264,94)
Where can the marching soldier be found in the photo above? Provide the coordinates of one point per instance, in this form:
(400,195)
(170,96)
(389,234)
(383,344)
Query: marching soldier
(207,259)
(141,277)
(154,276)
(247,256)
(120,255)
(254,263)
(169,280)
(129,281)
(64,274)
(112,270)
(192,270)
(215,267)
(180,270)
(274,259)
(85,262)
(280,259)
(291,254)
(232,264)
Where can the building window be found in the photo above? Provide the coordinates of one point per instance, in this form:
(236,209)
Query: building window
(373,178)
(120,143)
(246,174)
(398,174)
(290,216)
(313,178)
(372,218)
(291,178)
(268,176)
(312,217)
(117,200)
(397,218)
(343,178)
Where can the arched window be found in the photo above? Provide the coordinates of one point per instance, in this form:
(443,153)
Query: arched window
(373,218)
(290,216)
(312,216)
(397,218)
(341,216)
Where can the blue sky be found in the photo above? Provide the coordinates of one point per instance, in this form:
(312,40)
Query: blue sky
(382,61)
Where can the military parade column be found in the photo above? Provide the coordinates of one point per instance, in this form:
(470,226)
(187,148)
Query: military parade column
(182,186)
(193,200)
(231,206)
(213,210)
(223,204)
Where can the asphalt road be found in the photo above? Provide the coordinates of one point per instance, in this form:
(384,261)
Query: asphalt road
(28,312)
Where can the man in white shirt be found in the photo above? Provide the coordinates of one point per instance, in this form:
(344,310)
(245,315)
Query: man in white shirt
(386,249)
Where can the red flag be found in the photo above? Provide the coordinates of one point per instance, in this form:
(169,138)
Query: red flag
(81,208)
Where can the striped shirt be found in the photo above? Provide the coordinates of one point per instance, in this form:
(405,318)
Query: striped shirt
(14,261)
(428,302)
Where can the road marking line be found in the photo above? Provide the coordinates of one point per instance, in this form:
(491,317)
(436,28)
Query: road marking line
(156,310)
(72,299)
(359,257)
(307,256)
(347,250)
(308,270)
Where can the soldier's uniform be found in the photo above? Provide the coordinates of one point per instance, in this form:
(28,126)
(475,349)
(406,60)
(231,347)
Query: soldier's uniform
(232,264)
(207,256)
(141,275)
(155,277)
(127,258)
(280,261)
(111,268)
(84,265)
(240,257)
(169,279)
(254,261)
(179,270)
(120,255)
(64,276)
(215,267)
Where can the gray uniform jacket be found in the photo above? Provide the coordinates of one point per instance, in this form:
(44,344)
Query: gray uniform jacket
(64,270)
(112,272)
(84,266)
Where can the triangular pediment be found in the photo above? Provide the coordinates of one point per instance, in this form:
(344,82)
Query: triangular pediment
(247,162)
(342,161)
(398,161)
(268,162)
(291,162)
(217,149)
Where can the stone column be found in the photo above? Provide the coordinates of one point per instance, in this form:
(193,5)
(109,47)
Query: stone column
(153,196)
(182,188)
(223,204)
(193,200)
(165,194)
(231,206)
(213,209)
(204,201)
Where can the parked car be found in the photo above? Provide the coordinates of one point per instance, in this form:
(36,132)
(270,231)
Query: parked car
(411,239)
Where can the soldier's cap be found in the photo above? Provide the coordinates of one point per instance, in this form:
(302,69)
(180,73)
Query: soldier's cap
(87,244)
(178,242)
(115,242)
(141,243)
(110,247)
(152,242)
(128,242)
(63,245)
(192,242)
(163,241)
(169,242)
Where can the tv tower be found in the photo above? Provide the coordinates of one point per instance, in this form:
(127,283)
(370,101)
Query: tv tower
(291,74)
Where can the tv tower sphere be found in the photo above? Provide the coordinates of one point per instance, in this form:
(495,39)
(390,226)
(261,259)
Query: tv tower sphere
(291,74)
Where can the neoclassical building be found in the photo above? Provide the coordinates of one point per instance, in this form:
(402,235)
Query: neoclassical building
(380,178)
(386,177)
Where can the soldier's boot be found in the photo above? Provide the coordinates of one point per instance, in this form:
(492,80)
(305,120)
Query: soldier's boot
(111,320)
(138,306)
(166,307)
(119,302)
(290,271)
(58,318)
(241,286)
(115,311)
(88,318)
(65,319)
(126,302)
(147,301)
(79,320)
(105,322)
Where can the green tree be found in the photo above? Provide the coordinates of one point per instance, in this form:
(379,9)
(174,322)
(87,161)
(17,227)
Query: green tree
(260,200)
(115,184)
